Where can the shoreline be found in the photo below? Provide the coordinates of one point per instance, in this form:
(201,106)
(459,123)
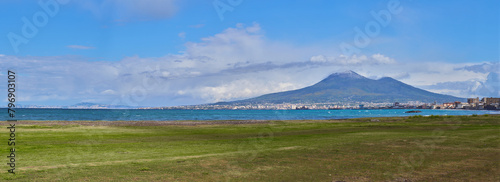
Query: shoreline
(224,115)
(216,122)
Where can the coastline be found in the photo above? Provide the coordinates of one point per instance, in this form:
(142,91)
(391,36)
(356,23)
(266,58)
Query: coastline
(216,122)
(223,115)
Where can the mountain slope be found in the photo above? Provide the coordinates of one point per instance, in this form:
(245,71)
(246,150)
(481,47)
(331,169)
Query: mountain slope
(351,87)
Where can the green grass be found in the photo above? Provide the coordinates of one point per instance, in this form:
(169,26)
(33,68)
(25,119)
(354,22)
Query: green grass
(417,148)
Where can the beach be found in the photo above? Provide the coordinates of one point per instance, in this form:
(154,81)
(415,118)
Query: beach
(414,148)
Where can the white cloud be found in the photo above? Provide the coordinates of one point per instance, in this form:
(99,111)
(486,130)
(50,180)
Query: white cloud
(108,92)
(243,88)
(379,58)
(243,45)
(319,59)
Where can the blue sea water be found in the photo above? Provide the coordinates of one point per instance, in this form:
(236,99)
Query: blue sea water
(168,115)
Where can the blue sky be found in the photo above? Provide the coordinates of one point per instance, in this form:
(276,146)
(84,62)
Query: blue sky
(193,50)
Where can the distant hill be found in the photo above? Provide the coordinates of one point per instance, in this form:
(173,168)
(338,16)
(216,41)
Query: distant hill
(89,105)
(349,87)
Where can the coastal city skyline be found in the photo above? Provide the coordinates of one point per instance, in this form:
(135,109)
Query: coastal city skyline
(73,51)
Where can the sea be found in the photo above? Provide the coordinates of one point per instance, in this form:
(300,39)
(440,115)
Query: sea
(171,115)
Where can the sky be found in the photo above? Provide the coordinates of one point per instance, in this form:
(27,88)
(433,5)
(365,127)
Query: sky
(173,52)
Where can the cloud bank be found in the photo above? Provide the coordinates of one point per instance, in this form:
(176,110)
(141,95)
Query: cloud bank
(240,62)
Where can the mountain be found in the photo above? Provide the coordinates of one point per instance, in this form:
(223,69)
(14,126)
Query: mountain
(350,87)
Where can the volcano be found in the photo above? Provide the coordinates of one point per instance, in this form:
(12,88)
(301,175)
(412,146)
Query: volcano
(350,87)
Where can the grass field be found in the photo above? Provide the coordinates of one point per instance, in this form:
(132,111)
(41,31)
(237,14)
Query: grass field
(435,148)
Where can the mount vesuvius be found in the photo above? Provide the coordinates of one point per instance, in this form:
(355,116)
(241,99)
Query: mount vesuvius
(350,87)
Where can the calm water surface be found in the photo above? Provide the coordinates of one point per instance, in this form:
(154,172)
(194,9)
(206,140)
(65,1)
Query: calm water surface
(161,115)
